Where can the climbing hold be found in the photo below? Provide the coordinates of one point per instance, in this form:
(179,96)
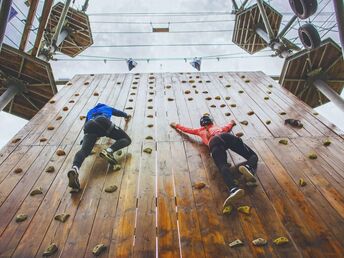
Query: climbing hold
(76,94)
(96,94)
(315,113)
(52,248)
(151,87)
(283,113)
(170,99)
(228,86)
(71,101)
(151,93)
(111,189)
(18,170)
(200,81)
(69,84)
(259,241)
(244,209)
(50,169)
(62,217)
(241,91)
(147,150)
(16,140)
(242,76)
(190,99)
(266,98)
(149,138)
(268,122)
(199,185)
(150,116)
(38,190)
(283,141)
(208,81)
(60,153)
(132,93)
(43,139)
(150,100)
(268,92)
(150,125)
(227,98)
(98,249)
(191,81)
(168,86)
(240,134)
(183,81)
(82,117)
(327,142)
(208,98)
(227,114)
(235,243)
(150,107)
(281,240)
(220,76)
(194,86)
(244,122)
(205,92)
(233,105)
(247,81)
(270,86)
(312,155)
(151,78)
(302,182)
(227,210)
(222,105)
(218,98)
(129,108)
(213,106)
(134,87)
(52,101)
(131,100)
(21,217)
(51,127)
(92,152)
(187,92)
(250,113)
(65,108)
(196,91)
(58,118)
(86,83)
(117,167)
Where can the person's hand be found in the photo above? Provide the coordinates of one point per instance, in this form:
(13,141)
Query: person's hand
(233,122)
(127,118)
(173,125)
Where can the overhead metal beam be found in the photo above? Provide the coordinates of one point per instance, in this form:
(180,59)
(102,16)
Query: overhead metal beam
(85,6)
(329,93)
(5,7)
(61,22)
(266,22)
(42,24)
(28,24)
(12,90)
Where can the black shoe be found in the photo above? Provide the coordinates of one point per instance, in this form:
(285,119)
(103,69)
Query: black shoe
(249,175)
(73,179)
(235,194)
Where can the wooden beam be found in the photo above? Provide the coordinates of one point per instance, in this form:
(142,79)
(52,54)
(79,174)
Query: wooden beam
(44,18)
(28,24)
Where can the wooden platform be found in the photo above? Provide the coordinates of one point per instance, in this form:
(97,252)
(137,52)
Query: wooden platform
(156,211)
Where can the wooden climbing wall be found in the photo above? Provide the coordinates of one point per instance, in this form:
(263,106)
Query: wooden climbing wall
(156,210)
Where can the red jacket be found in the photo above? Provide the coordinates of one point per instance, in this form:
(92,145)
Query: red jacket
(206,133)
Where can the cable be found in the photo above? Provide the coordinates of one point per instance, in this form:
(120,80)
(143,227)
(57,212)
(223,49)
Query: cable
(12,41)
(151,32)
(161,14)
(149,23)
(160,45)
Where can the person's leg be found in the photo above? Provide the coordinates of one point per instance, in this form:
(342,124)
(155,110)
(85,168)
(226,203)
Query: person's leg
(122,139)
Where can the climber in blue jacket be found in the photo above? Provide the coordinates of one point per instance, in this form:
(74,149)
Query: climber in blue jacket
(98,124)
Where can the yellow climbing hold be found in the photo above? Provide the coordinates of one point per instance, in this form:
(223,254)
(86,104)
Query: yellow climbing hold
(82,117)
(50,128)
(281,240)
(21,217)
(62,217)
(327,142)
(50,169)
(233,105)
(266,98)
(60,153)
(148,150)
(302,182)
(244,209)
(283,141)
(98,249)
(218,98)
(52,248)
(312,155)
(38,190)
(227,210)
(111,189)
(149,138)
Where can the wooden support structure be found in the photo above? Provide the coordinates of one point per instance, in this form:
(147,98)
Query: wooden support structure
(156,210)
(29,20)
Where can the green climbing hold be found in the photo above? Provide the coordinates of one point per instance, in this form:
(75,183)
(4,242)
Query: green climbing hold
(111,189)
(266,98)
(327,142)
(270,86)
(150,125)
(218,98)
(233,105)
(268,122)
(147,150)
(149,138)
(117,167)
(98,249)
(52,248)
(228,86)
(312,155)
(227,98)
(62,217)
(241,91)
(150,116)
(227,210)
(247,81)
(168,86)
(283,141)
(150,107)
(150,100)
(21,217)
(50,169)
(38,190)
(244,209)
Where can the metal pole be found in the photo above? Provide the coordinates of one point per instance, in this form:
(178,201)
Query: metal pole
(61,21)
(28,24)
(287,26)
(339,8)
(265,19)
(274,45)
(329,93)
(243,5)
(262,33)
(9,94)
(85,6)
(235,6)
(5,7)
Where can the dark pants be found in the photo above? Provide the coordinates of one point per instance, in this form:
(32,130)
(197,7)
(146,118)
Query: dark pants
(99,127)
(218,146)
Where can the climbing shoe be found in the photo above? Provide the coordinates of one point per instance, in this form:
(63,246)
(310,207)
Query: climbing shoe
(108,156)
(235,194)
(248,174)
(73,179)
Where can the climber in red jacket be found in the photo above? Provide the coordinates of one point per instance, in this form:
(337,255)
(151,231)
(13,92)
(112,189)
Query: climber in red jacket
(219,140)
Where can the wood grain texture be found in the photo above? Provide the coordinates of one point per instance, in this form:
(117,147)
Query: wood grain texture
(156,211)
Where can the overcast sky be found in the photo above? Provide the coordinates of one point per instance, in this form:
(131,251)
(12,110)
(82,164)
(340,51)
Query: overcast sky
(102,13)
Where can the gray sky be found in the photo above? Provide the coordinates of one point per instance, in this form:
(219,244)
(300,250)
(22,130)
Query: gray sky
(239,61)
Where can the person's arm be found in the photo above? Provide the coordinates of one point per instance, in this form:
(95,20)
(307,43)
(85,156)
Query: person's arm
(184,129)
(116,112)
(228,127)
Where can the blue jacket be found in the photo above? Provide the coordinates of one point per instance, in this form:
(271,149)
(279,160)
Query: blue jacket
(104,110)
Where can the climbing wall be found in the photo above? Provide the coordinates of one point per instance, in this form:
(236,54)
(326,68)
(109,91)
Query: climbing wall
(156,210)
